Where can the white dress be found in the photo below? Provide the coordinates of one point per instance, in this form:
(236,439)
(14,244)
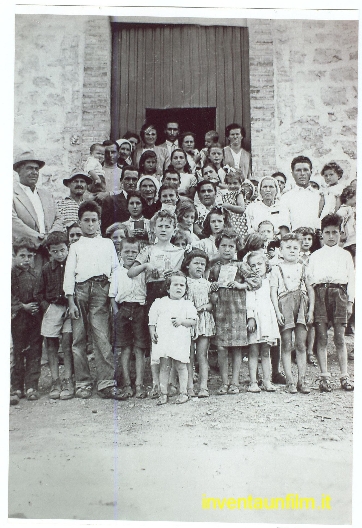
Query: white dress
(173,342)
(260,307)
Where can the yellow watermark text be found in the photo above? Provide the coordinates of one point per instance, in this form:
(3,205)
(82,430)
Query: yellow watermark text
(292,501)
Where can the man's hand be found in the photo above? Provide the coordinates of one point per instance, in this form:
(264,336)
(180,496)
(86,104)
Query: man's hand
(31,308)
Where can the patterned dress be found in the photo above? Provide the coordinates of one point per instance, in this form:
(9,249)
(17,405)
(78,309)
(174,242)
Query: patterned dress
(238,221)
(230,311)
(198,291)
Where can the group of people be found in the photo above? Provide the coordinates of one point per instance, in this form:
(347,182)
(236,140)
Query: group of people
(167,251)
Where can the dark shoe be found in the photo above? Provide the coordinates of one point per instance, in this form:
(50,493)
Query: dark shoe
(32,395)
(351,355)
(325,385)
(83,392)
(67,391)
(349,330)
(279,379)
(14,398)
(55,390)
(303,388)
(312,360)
(127,392)
(111,393)
(346,384)
(141,392)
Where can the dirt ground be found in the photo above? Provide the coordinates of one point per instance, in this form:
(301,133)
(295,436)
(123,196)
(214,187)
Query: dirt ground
(105,460)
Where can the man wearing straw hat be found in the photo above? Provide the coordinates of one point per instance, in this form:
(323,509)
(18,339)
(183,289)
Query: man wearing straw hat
(35,213)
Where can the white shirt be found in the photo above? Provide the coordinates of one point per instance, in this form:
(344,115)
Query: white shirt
(125,289)
(112,176)
(36,202)
(299,207)
(236,157)
(89,257)
(332,264)
(171,146)
(257,212)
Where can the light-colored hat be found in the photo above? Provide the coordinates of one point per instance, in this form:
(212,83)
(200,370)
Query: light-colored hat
(27,156)
(121,141)
(76,173)
(153,180)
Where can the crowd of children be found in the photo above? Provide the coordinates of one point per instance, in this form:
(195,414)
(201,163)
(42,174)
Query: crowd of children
(153,287)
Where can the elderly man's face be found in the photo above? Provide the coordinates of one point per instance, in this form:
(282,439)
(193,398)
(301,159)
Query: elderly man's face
(77,186)
(29,173)
(207,194)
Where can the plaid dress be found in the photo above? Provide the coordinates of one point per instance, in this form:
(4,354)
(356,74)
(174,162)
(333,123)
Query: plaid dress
(230,311)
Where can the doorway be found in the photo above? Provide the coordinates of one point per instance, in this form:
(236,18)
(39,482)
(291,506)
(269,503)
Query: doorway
(196,120)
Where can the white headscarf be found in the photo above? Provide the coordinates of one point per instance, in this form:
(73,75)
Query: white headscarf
(153,180)
(277,197)
(121,141)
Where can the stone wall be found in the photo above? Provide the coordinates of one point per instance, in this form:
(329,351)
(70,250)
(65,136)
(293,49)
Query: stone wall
(303,93)
(62,90)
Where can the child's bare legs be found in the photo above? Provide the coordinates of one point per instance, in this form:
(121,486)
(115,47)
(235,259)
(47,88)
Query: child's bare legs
(253,366)
(67,340)
(155,371)
(223,361)
(182,372)
(322,340)
(52,346)
(341,349)
(124,360)
(286,346)
(165,368)
(265,365)
(202,347)
(140,365)
(190,372)
(173,381)
(310,341)
(236,365)
(300,349)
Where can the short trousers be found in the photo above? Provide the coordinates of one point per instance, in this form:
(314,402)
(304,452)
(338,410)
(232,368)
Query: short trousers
(294,306)
(155,290)
(351,249)
(131,326)
(330,305)
(56,321)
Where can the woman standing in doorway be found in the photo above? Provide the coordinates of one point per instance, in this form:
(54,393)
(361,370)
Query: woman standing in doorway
(234,155)
(148,135)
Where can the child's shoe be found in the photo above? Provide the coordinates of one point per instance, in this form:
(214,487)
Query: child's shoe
(15,396)
(55,390)
(312,360)
(303,387)
(172,390)
(182,398)
(346,384)
(278,378)
(203,393)
(254,387)
(155,393)
(191,393)
(291,388)
(32,395)
(222,390)
(111,393)
(67,391)
(162,399)
(83,392)
(268,387)
(233,389)
(141,392)
(127,392)
(325,385)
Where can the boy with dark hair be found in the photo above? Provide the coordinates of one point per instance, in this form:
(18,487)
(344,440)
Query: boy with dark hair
(331,272)
(128,299)
(90,265)
(56,321)
(25,323)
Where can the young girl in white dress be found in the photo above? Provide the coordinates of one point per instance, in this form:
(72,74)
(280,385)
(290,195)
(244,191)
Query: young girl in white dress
(263,330)
(170,321)
(198,291)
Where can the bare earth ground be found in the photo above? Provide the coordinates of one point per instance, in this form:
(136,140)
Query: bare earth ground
(104,460)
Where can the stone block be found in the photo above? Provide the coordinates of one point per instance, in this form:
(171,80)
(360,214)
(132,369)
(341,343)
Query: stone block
(333,96)
(352,113)
(349,130)
(42,82)
(349,148)
(326,56)
(353,55)
(343,74)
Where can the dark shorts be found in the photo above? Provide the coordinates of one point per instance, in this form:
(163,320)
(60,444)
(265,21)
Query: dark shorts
(294,307)
(330,305)
(155,290)
(131,326)
(351,249)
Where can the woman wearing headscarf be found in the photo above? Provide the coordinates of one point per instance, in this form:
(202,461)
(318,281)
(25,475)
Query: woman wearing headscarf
(149,186)
(124,152)
(266,205)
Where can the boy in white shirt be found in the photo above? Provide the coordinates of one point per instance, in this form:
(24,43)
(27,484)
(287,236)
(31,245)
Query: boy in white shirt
(331,272)
(128,299)
(90,265)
